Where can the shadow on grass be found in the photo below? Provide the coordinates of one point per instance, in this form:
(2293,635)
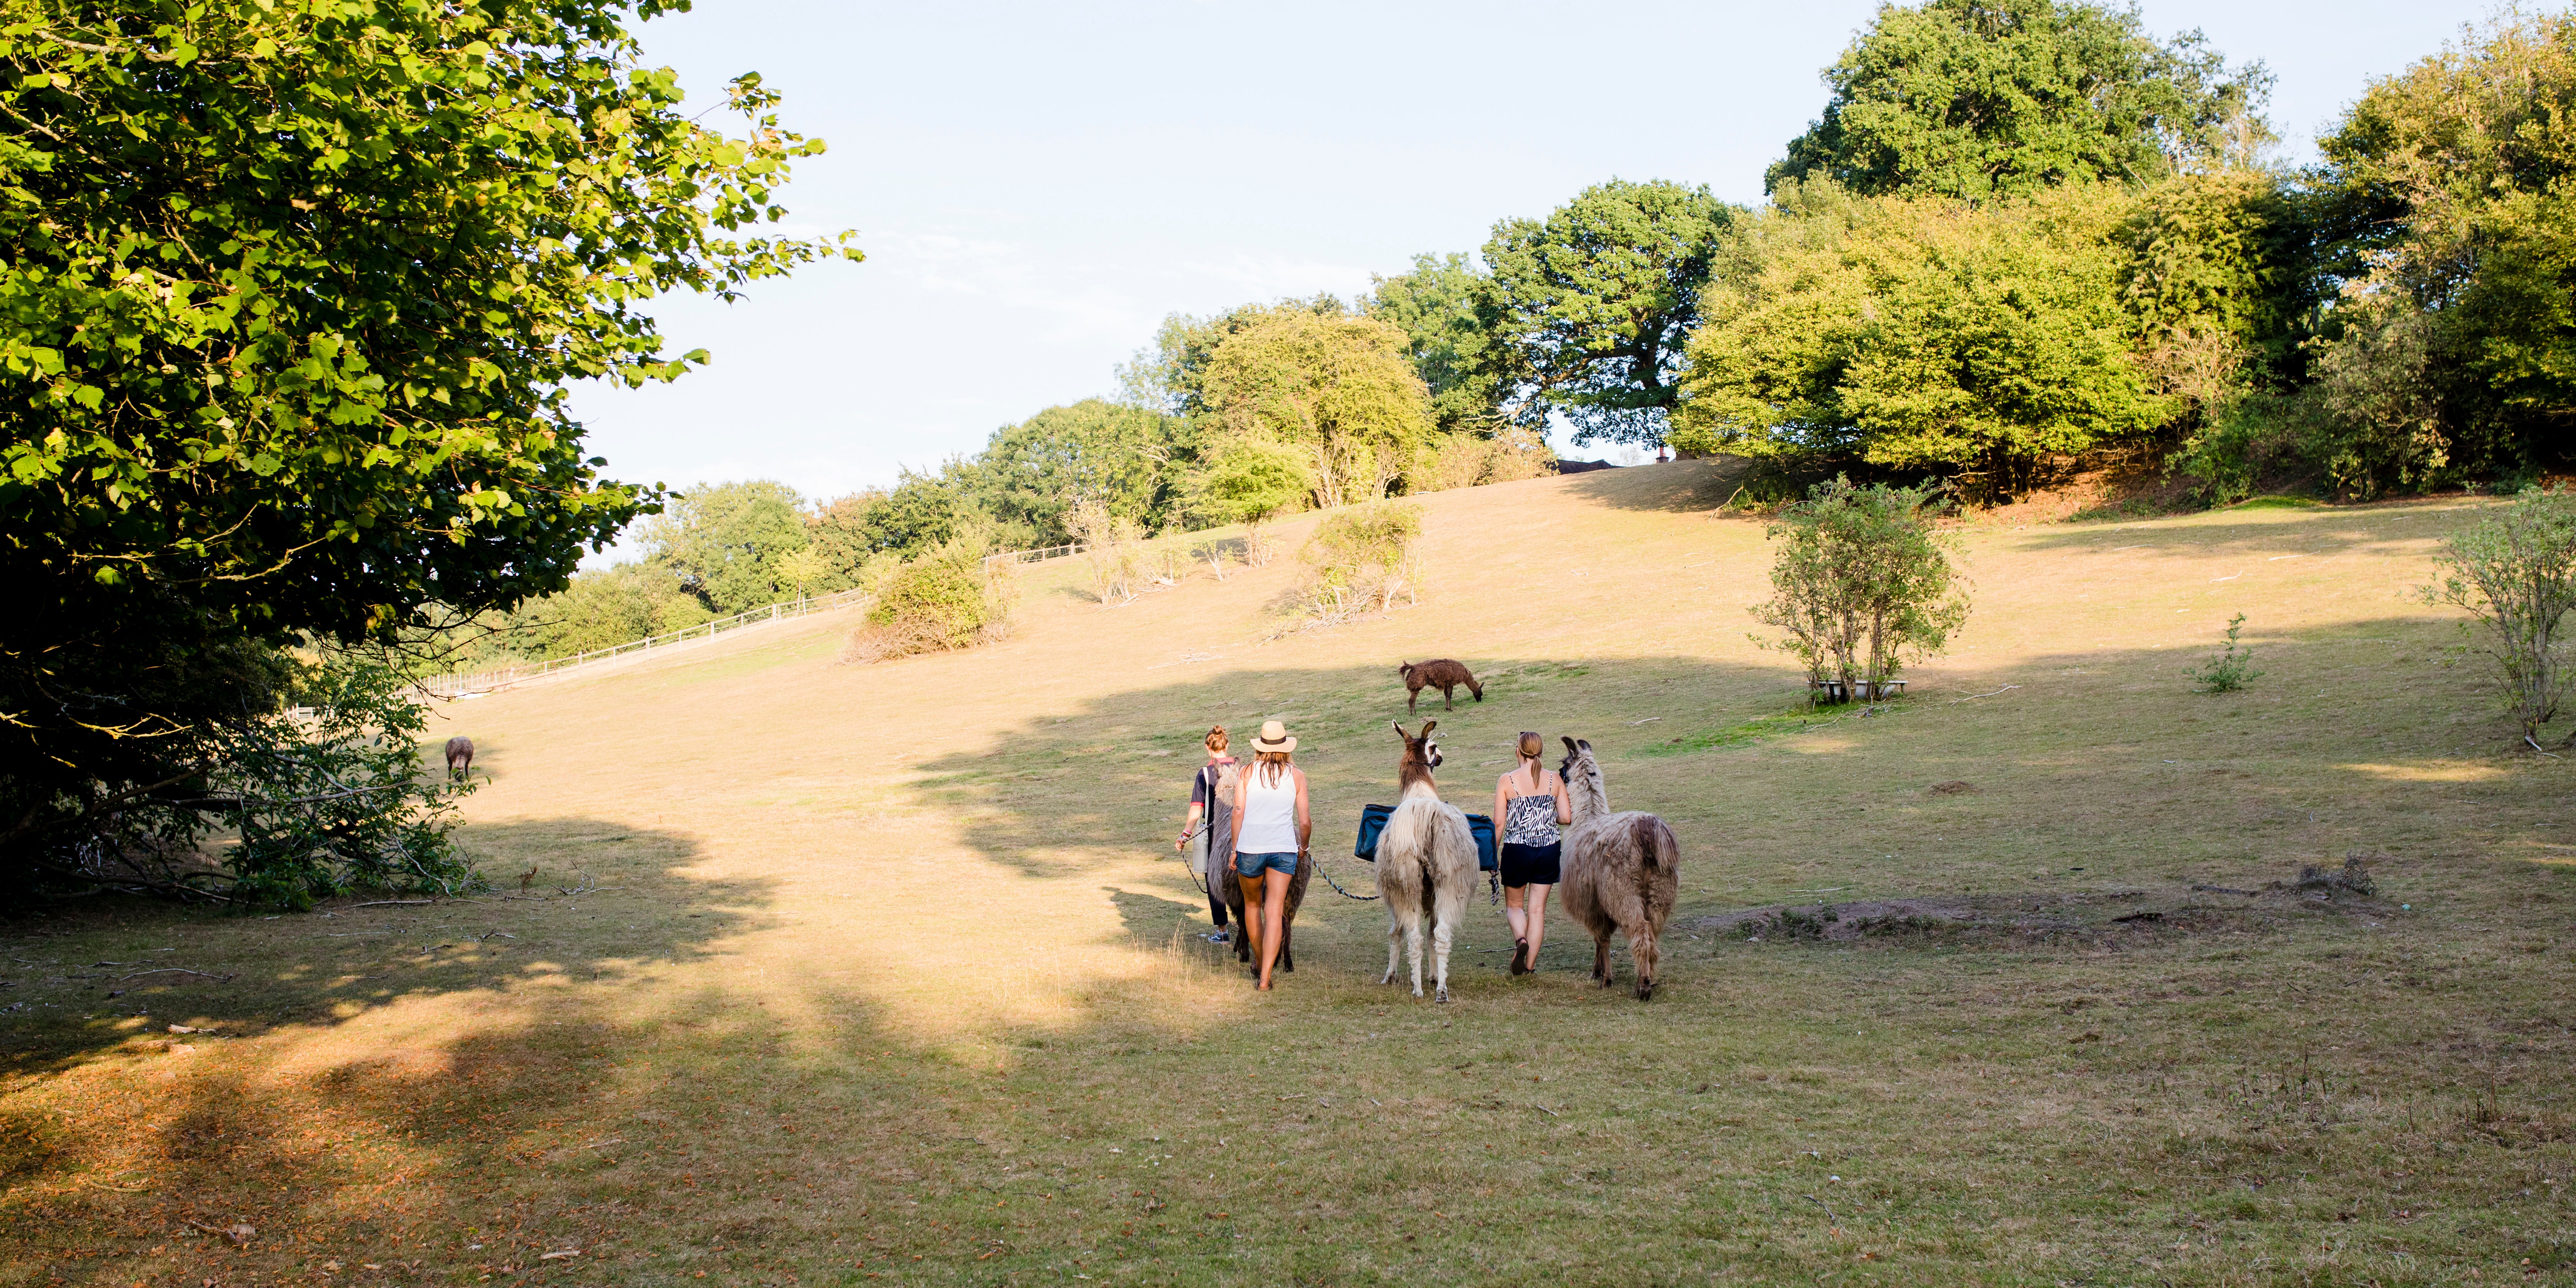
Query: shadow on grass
(1675,486)
(354,956)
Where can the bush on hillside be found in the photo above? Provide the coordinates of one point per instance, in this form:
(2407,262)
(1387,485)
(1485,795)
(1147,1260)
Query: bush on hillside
(2514,573)
(945,600)
(1355,565)
(1467,460)
(1860,581)
(326,797)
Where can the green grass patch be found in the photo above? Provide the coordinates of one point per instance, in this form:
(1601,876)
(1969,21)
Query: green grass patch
(2277,503)
(1737,735)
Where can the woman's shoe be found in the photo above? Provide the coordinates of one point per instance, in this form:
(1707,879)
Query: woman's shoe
(1220,937)
(1520,957)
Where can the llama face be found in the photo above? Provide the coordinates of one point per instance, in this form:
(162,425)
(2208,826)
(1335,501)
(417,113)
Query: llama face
(1431,752)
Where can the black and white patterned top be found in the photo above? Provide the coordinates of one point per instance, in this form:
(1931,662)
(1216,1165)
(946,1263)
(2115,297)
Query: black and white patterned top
(1530,820)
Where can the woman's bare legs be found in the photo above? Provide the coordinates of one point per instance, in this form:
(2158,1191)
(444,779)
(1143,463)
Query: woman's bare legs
(1537,915)
(1513,896)
(1251,925)
(1274,911)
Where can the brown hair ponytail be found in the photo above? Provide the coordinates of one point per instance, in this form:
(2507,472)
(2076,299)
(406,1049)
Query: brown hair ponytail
(1531,746)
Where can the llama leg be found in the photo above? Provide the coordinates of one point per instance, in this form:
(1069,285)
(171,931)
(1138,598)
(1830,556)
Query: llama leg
(1413,945)
(1601,957)
(1647,953)
(1394,936)
(1448,910)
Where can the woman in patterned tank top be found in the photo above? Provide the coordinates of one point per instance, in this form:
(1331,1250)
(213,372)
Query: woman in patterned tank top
(1532,804)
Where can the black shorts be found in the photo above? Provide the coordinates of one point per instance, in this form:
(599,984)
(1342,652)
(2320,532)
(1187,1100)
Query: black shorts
(1530,864)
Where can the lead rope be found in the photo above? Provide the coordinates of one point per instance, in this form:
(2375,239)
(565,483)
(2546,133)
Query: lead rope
(1337,886)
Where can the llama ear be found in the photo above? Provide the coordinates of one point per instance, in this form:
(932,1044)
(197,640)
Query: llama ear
(1399,731)
(1427,727)
(1570,748)
(1586,744)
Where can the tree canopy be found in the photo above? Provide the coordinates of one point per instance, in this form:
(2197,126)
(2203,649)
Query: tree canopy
(290,299)
(1590,307)
(1035,472)
(1338,388)
(1977,99)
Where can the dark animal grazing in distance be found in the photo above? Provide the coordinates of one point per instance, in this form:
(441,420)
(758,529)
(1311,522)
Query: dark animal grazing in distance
(1444,674)
(460,756)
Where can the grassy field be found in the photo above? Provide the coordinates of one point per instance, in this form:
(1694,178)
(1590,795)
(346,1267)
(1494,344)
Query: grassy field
(832,974)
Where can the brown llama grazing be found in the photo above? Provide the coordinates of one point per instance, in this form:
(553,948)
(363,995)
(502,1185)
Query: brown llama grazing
(1444,674)
(1622,871)
(460,756)
(1426,864)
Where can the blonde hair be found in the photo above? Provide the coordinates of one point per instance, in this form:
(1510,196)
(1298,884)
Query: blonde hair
(1532,746)
(1271,763)
(1216,739)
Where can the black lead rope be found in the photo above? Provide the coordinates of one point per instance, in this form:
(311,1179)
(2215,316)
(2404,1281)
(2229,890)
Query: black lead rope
(1337,886)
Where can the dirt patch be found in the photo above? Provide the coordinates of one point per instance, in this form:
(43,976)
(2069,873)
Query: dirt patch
(2053,915)
(1954,787)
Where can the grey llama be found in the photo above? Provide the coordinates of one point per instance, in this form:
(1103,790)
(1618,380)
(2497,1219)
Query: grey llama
(1622,871)
(460,756)
(1426,864)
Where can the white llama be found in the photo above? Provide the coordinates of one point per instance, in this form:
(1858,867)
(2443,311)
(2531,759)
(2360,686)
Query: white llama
(1426,864)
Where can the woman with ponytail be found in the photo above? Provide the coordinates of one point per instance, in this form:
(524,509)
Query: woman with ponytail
(1532,804)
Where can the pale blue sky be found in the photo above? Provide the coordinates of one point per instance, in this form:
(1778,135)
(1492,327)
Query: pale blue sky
(1037,185)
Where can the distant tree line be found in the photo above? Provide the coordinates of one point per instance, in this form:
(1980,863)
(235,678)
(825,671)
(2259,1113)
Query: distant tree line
(2023,237)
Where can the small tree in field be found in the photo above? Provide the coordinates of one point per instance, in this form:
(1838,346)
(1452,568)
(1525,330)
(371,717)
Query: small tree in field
(1861,582)
(2514,573)
(1109,549)
(1252,481)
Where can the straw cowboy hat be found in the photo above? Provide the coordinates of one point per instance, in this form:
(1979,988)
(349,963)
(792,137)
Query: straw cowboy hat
(1274,737)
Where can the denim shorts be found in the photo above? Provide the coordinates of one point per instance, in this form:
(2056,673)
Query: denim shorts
(1253,865)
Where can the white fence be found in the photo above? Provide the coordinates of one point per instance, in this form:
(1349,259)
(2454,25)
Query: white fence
(450,686)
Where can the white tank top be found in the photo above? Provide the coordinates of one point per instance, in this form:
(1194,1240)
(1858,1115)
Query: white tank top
(1269,813)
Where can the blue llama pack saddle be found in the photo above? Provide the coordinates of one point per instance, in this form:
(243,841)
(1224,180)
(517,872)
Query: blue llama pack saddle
(1373,821)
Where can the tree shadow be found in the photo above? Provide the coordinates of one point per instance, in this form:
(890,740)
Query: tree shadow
(356,956)
(2308,531)
(1674,486)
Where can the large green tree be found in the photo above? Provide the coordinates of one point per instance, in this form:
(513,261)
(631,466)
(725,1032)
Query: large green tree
(1977,99)
(1929,335)
(722,542)
(290,299)
(2449,202)
(1337,388)
(1120,456)
(1590,307)
(1444,306)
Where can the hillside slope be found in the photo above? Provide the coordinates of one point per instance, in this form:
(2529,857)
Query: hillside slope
(808,972)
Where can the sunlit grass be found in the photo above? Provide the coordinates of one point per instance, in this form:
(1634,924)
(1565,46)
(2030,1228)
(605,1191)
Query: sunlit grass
(890,974)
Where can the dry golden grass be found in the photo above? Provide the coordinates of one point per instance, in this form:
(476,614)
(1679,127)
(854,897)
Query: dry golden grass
(888,971)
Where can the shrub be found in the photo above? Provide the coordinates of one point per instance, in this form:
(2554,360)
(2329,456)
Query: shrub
(947,599)
(1357,562)
(2514,573)
(1860,581)
(1251,481)
(2230,669)
(326,798)
(1109,550)
(1472,460)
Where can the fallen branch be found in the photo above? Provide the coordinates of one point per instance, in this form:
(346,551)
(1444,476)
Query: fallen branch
(1648,720)
(1974,696)
(97,1184)
(173,970)
(2536,746)
(1828,1207)
(2224,889)
(1544,1109)
(392,903)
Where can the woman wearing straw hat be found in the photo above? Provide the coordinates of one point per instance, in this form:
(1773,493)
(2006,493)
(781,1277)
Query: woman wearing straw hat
(1271,828)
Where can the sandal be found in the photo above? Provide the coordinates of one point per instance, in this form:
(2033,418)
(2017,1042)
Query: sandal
(1520,957)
